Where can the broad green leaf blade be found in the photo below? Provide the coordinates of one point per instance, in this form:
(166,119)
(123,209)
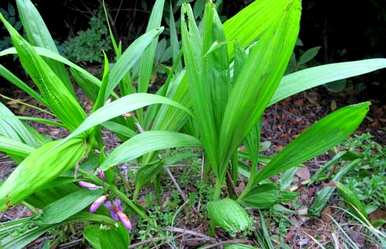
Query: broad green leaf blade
(308,55)
(262,196)
(13,128)
(22,239)
(315,76)
(121,106)
(100,100)
(58,98)
(146,142)
(67,206)
(251,22)
(107,237)
(41,167)
(38,35)
(258,81)
(147,59)
(317,139)
(229,215)
(8,75)
(129,58)
(14,148)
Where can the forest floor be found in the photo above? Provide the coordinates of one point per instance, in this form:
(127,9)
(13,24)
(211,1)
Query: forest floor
(283,122)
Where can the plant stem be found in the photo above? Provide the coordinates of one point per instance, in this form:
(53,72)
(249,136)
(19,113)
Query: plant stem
(217,189)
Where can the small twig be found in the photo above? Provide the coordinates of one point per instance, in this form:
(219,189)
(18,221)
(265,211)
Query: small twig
(26,104)
(221,243)
(176,184)
(190,232)
(71,243)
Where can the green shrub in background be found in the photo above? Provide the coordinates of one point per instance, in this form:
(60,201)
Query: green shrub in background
(87,45)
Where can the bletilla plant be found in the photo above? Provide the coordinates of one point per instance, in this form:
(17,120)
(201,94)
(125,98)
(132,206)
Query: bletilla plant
(220,82)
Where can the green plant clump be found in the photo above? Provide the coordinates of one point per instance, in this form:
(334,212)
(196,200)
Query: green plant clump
(223,77)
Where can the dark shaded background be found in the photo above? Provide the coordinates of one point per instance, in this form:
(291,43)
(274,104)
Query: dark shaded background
(345,29)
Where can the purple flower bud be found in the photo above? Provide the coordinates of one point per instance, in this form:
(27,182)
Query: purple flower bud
(117,205)
(98,203)
(125,220)
(88,185)
(101,174)
(109,206)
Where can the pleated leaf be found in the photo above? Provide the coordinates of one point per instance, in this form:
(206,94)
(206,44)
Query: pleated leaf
(146,142)
(317,139)
(41,167)
(315,76)
(122,106)
(258,79)
(147,60)
(14,148)
(58,98)
(38,35)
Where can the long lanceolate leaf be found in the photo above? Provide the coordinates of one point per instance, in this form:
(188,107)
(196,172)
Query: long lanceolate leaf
(122,106)
(58,98)
(251,22)
(11,127)
(315,76)
(317,139)
(38,35)
(39,168)
(129,58)
(258,80)
(146,142)
(147,60)
(14,148)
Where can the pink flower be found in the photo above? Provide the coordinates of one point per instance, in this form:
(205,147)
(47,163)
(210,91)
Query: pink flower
(116,212)
(125,220)
(98,203)
(89,185)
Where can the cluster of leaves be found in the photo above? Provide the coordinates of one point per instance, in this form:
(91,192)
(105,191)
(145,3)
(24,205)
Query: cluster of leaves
(222,79)
(87,45)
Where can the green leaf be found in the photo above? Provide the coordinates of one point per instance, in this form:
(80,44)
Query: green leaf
(8,75)
(121,106)
(323,195)
(41,167)
(107,237)
(129,58)
(38,35)
(229,215)
(67,206)
(317,139)
(147,59)
(58,98)
(146,142)
(13,128)
(353,201)
(258,81)
(308,55)
(238,246)
(262,196)
(315,76)
(14,148)
(254,20)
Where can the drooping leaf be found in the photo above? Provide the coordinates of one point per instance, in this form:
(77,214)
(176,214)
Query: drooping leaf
(8,75)
(39,168)
(58,98)
(14,148)
(146,142)
(229,215)
(122,106)
(67,206)
(13,128)
(317,139)
(315,76)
